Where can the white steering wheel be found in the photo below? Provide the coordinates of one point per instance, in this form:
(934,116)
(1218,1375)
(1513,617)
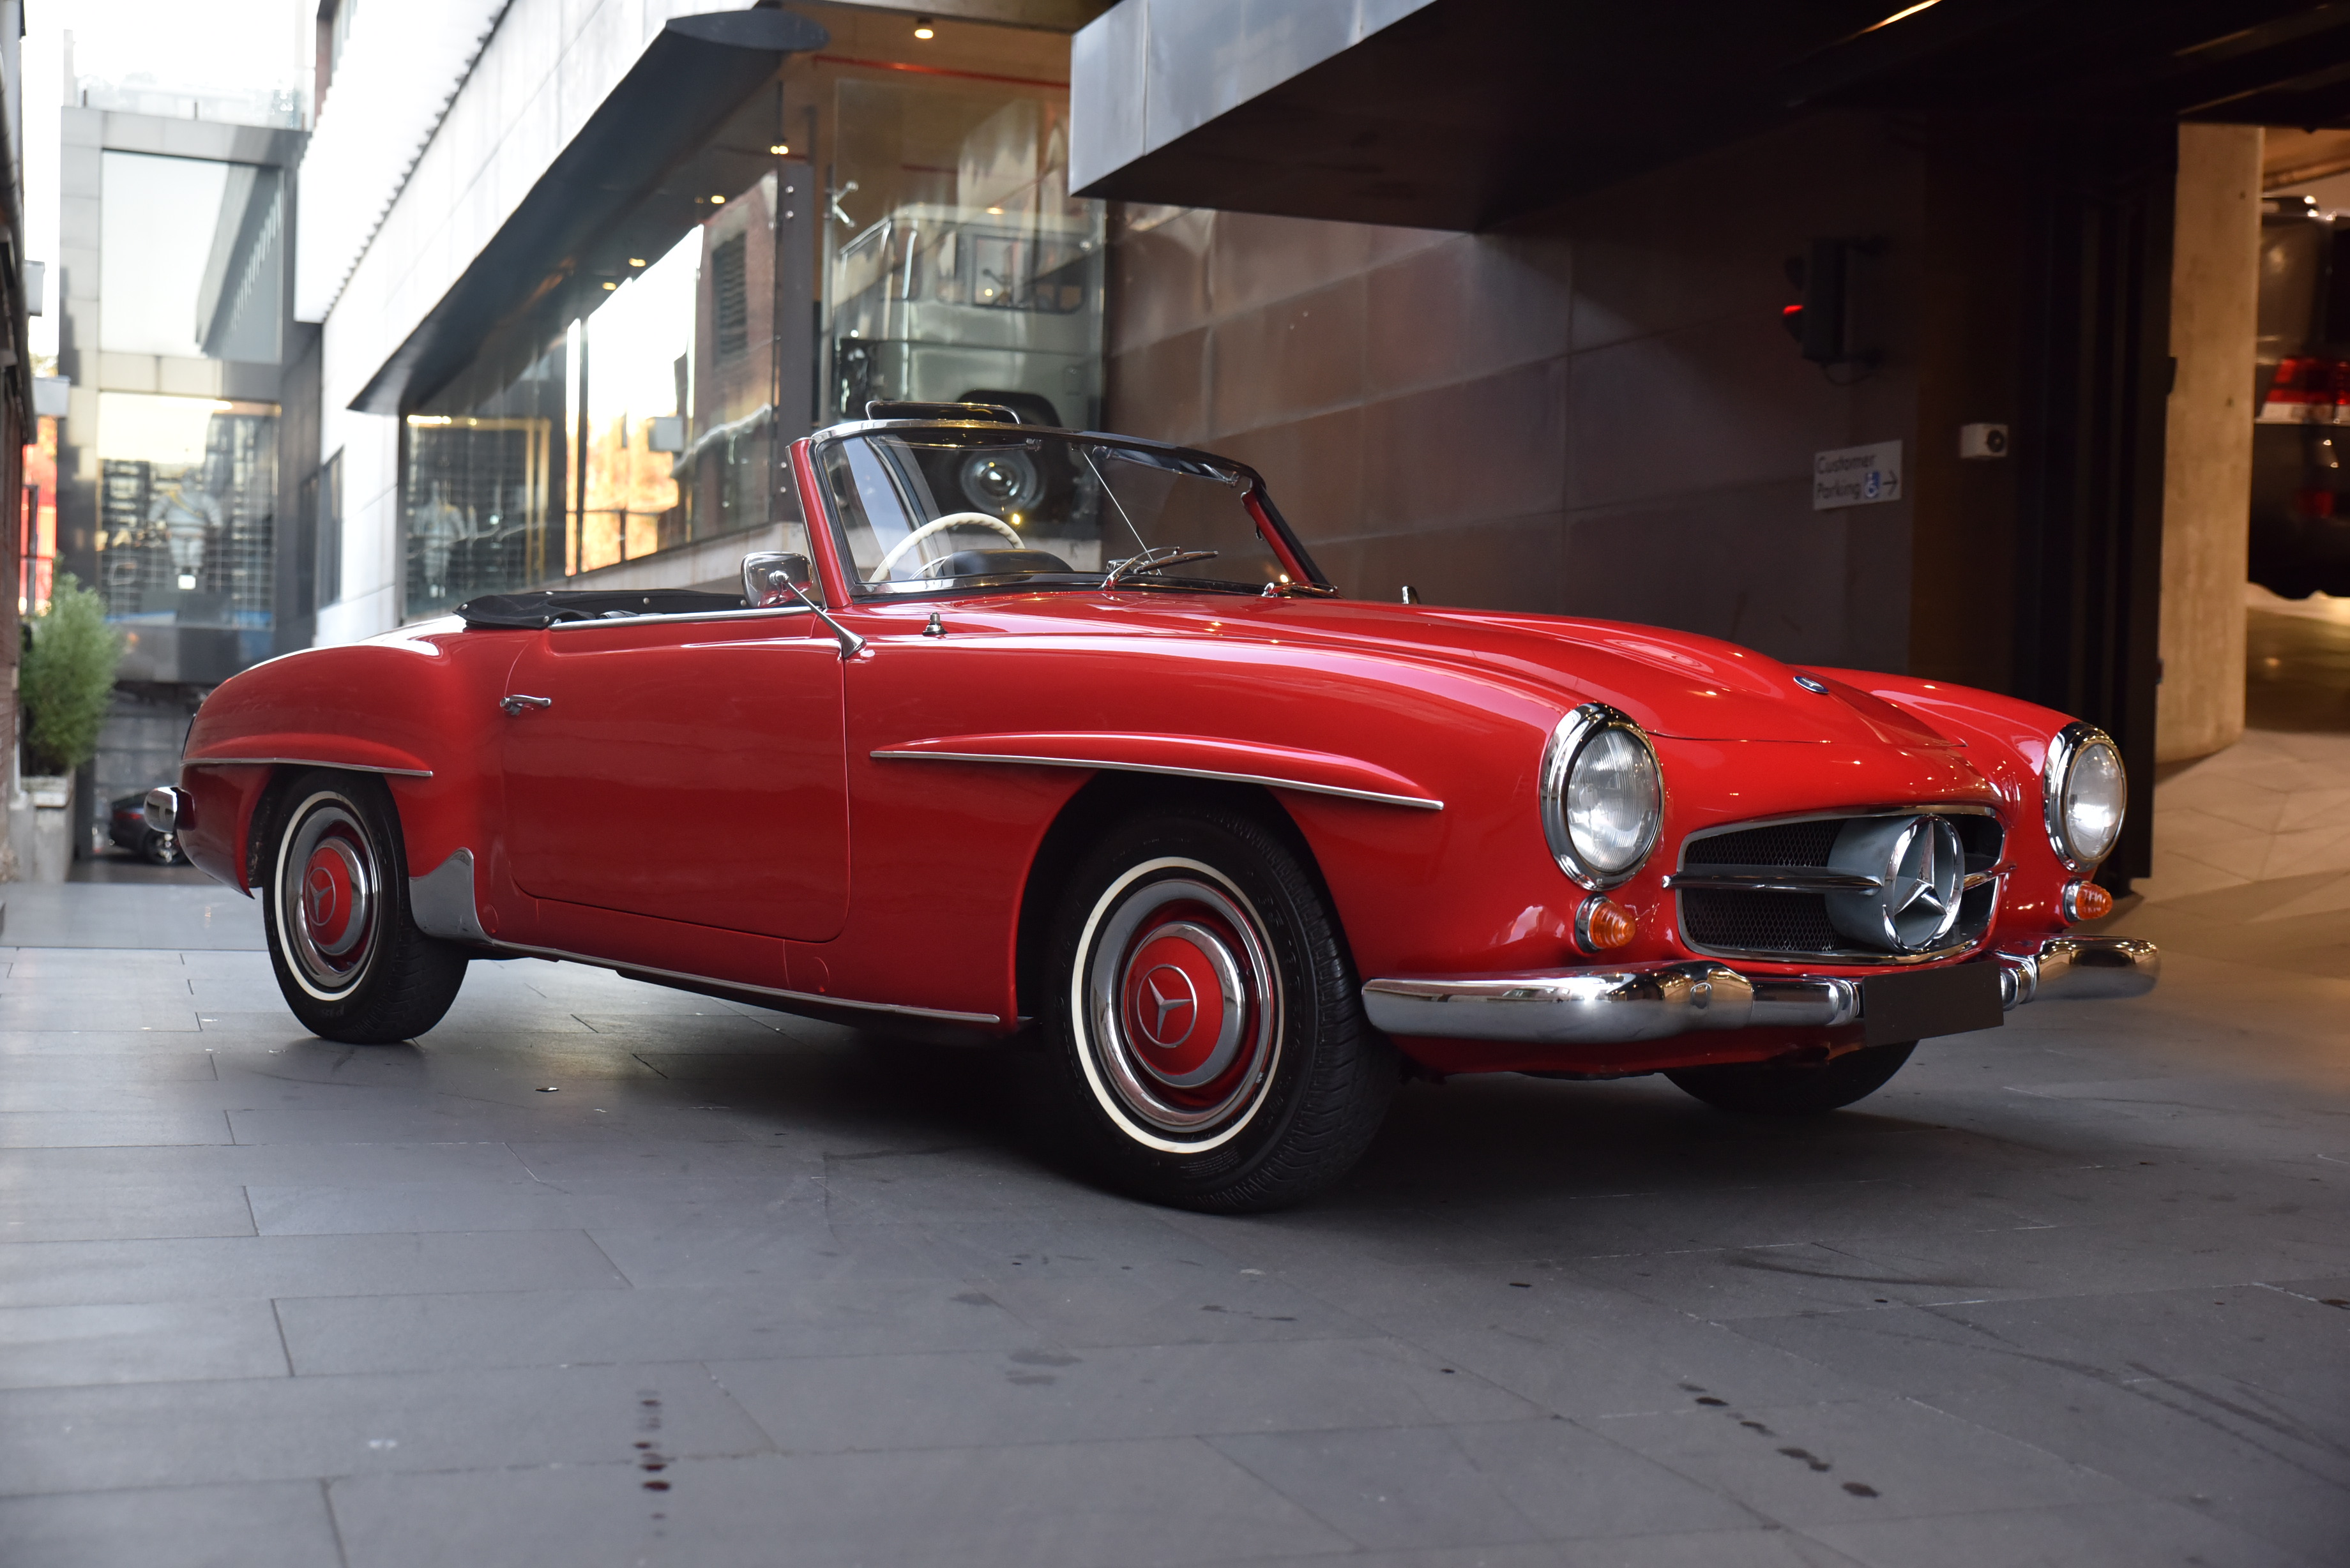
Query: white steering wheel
(939,524)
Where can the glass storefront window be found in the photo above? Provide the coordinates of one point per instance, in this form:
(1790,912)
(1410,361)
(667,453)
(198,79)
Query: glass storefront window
(646,423)
(840,239)
(191,258)
(187,496)
(961,268)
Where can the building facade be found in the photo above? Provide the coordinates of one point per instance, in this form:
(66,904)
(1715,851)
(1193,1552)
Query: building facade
(175,239)
(645,247)
(24,546)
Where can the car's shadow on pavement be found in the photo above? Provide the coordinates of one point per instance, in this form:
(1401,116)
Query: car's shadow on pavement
(1496,1143)
(1533,1157)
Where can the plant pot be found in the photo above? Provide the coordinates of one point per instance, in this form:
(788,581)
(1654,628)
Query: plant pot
(45,854)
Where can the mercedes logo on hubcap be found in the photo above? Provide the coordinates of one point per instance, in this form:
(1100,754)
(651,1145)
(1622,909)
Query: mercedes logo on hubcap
(318,894)
(1168,1004)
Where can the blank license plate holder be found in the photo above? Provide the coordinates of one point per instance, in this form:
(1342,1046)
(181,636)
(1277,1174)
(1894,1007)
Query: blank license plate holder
(1918,1004)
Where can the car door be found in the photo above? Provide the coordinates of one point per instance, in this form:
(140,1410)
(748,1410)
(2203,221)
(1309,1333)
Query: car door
(690,770)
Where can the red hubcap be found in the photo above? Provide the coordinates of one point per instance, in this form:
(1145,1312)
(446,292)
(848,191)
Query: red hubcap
(327,889)
(1175,1003)
(1179,1000)
(327,897)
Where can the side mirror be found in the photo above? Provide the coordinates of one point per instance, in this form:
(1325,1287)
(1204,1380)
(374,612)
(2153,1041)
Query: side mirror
(769,576)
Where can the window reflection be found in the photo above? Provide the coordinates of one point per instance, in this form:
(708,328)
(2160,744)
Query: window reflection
(646,424)
(963,270)
(187,490)
(191,258)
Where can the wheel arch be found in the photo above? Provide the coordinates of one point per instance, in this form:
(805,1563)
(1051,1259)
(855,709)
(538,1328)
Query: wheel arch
(270,800)
(1108,797)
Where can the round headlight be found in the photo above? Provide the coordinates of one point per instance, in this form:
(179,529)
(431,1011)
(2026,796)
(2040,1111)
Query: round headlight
(2085,791)
(1603,800)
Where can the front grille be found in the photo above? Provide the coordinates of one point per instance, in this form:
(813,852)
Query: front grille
(1740,923)
(1758,922)
(1779,844)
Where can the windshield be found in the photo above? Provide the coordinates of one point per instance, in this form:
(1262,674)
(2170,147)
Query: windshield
(916,511)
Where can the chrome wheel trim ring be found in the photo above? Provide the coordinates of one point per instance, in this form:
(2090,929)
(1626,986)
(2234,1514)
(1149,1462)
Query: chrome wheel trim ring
(328,956)
(1120,1079)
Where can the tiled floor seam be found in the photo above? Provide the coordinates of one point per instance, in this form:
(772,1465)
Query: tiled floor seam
(334,1521)
(284,1347)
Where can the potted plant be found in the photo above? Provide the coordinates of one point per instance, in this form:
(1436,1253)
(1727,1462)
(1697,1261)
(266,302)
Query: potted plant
(64,686)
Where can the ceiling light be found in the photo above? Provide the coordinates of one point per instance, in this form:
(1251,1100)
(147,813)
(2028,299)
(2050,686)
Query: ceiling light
(995,211)
(636,261)
(923,29)
(780,149)
(718,201)
(1897,15)
(609,285)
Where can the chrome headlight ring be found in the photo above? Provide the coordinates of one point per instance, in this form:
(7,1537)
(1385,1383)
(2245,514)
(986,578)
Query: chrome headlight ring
(1594,735)
(2073,746)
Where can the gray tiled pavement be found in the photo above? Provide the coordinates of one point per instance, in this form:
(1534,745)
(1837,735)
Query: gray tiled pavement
(747,1291)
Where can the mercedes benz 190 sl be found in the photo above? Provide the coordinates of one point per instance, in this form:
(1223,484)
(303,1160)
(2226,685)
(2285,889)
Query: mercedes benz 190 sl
(1062,739)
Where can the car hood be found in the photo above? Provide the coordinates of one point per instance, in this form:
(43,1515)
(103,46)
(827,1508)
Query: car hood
(1673,684)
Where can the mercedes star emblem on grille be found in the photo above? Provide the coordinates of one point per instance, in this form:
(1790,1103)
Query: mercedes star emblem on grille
(1919,869)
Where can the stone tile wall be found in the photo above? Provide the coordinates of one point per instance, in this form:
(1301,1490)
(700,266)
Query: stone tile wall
(1595,412)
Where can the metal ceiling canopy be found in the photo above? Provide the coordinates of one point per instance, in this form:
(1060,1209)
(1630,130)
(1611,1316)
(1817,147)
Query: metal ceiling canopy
(683,88)
(1462,114)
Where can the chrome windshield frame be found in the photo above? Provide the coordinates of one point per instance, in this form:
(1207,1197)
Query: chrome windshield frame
(1280,538)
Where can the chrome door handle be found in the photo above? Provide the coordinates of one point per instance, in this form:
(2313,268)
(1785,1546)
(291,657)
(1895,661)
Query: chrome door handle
(518,704)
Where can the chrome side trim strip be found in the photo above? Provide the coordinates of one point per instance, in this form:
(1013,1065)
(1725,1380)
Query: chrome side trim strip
(937,1013)
(301,762)
(1372,796)
(441,901)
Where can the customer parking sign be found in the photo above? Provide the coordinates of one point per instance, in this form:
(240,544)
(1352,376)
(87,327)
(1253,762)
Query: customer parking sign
(1857,476)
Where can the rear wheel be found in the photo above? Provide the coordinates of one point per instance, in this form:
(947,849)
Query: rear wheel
(1210,1048)
(1765,1089)
(334,889)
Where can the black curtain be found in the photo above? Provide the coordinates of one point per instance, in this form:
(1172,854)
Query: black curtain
(2097,375)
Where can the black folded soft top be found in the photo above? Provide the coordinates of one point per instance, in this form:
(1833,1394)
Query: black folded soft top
(507,611)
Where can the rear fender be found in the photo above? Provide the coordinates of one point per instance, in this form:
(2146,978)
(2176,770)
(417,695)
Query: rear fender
(215,828)
(417,709)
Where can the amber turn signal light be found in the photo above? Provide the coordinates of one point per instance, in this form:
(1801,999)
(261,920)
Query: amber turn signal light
(2087,901)
(1602,923)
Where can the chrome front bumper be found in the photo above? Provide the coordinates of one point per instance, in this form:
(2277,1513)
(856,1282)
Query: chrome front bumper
(1657,1001)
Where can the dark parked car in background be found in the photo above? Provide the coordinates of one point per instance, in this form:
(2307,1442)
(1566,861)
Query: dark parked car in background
(2301,492)
(126,825)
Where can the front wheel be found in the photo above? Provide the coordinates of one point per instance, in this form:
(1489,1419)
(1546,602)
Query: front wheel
(1210,1048)
(348,958)
(1765,1089)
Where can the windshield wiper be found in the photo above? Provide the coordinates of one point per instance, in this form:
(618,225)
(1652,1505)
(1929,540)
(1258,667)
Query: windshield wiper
(1153,560)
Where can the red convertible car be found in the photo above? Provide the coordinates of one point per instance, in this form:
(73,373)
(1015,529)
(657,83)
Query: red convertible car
(1063,739)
